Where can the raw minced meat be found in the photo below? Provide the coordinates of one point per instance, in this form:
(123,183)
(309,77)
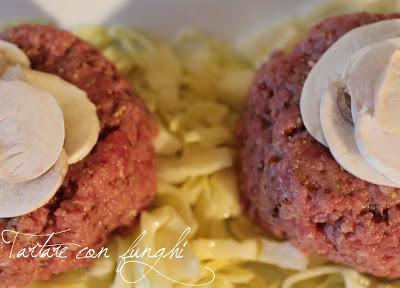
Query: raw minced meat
(291,185)
(105,192)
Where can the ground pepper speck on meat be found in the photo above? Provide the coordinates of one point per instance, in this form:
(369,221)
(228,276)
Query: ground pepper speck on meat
(104,193)
(291,185)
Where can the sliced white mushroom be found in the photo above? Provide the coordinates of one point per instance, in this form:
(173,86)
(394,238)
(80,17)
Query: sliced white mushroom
(331,65)
(387,100)
(23,198)
(13,54)
(13,73)
(31,131)
(362,74)
(339,134)
(82,125)
(376,86)
(378,148)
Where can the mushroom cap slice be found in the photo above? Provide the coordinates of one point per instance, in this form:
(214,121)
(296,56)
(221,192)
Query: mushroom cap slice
(362,75)
(373,80)
(13,73)
(377,147)
(13,54)
(331,65)
(339,134)
(23,198)
(82,126)
(31,131)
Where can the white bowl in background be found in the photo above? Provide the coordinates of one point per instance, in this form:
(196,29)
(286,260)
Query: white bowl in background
(227,19)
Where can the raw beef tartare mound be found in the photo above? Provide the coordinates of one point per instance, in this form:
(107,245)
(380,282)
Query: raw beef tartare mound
(102,194)
(292,186)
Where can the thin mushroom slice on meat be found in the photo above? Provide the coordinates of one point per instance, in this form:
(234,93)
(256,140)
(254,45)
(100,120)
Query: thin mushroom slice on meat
(31,131)
(82,125)
(23,198)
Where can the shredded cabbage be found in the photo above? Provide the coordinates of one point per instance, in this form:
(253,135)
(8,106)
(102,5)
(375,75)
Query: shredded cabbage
(351,278)
(196,86)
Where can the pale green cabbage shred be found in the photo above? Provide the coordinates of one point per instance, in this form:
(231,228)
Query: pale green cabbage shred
(196,86)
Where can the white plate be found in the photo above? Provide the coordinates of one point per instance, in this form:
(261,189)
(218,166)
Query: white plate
(228,19)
